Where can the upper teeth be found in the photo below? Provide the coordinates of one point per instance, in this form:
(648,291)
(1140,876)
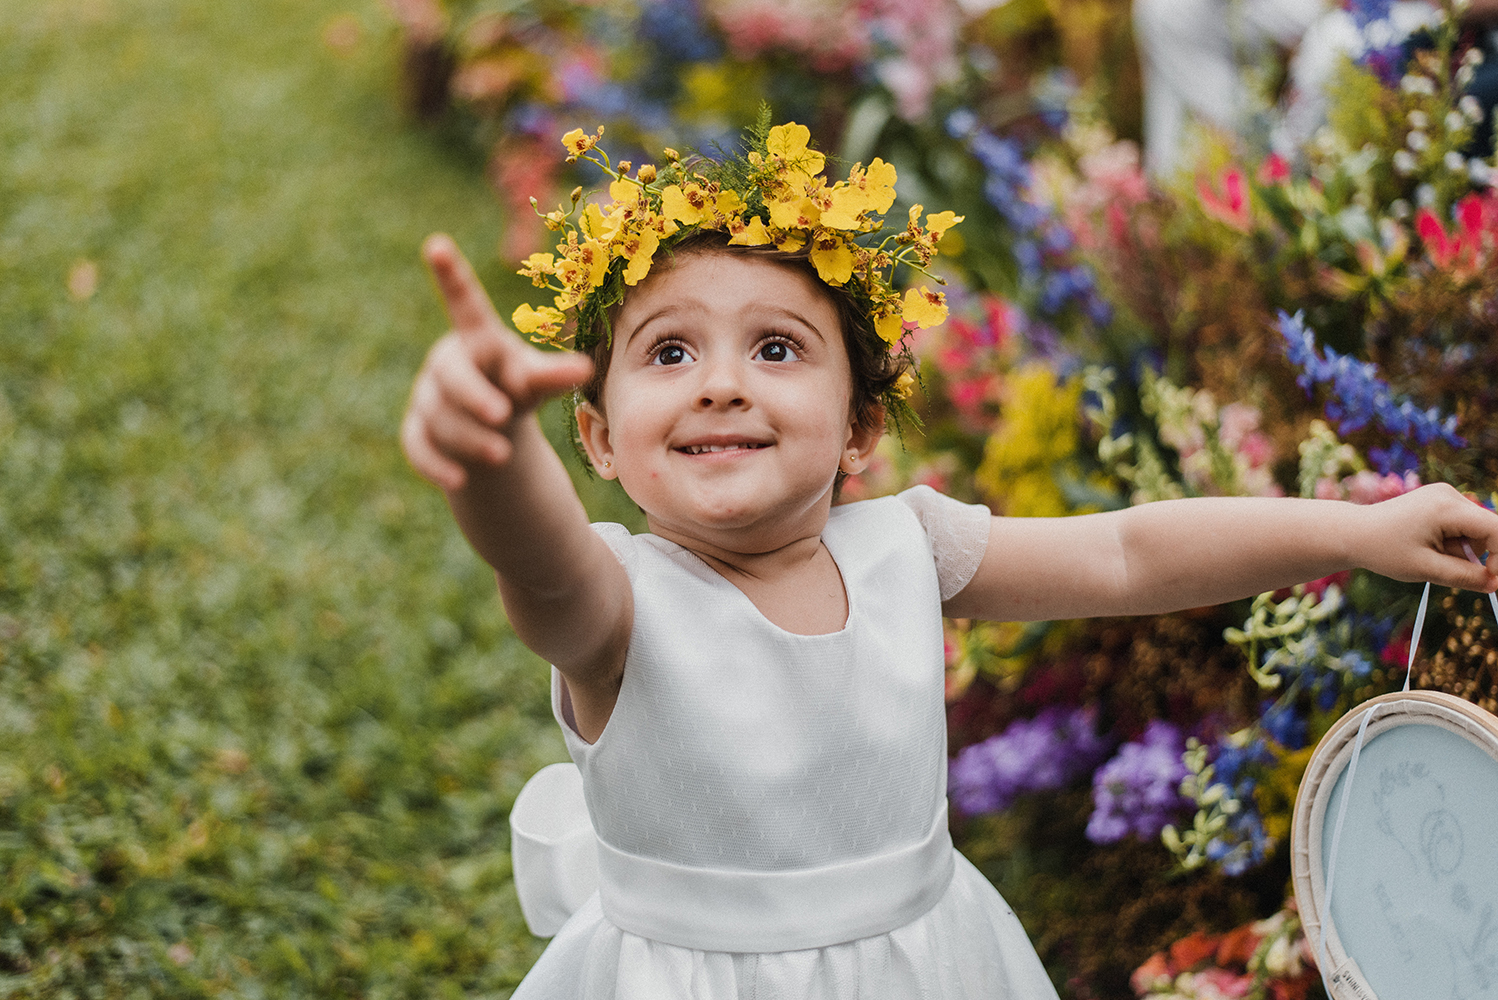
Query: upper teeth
(698,449)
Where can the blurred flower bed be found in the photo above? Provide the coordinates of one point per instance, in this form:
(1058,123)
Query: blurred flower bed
(1320,327)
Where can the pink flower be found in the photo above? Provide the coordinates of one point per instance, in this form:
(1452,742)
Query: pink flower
(1152,975)
(1369,487)
(1232,205)
(1274,170)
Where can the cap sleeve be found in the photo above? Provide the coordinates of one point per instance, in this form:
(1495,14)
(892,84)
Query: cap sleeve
(620,541)
(958,533)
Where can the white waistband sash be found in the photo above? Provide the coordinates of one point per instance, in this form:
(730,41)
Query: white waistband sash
(739,911)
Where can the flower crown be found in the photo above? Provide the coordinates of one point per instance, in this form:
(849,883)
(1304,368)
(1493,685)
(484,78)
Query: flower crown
(773,196)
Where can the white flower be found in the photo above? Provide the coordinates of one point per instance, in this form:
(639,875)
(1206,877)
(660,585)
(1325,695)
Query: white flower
(1419,119)
(1473,57)
(1425,196)
(1418,141)
(1480,171)
(1413,84)
(1404,162)
(1400,209)
(1464,75)
(1282,959)
(1455,162)
(1455,121)
(1471,107)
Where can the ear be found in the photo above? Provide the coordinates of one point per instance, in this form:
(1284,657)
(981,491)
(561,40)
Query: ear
(863,437)
(593,429)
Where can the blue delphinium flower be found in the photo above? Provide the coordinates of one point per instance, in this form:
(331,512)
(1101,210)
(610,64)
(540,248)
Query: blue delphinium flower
(1047,752)
(1359,397)
(1040,238)
(1138,790)
(1242,843)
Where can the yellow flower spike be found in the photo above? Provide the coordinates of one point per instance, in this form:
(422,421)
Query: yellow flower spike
(890,328)
(832,259)
(545,321)
(749,234)
(924,307)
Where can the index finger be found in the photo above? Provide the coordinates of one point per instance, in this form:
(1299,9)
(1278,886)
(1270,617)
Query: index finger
(468,305)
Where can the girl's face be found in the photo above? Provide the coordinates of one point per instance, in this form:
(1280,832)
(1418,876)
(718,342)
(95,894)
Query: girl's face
(726,411)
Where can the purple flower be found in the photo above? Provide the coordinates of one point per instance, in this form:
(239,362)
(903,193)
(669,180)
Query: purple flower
(1033,755)
(1138,791)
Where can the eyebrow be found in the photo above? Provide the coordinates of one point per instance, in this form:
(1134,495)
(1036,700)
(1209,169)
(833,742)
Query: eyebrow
(673,308)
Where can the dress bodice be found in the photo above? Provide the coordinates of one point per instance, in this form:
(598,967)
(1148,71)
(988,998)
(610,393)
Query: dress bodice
(738,747)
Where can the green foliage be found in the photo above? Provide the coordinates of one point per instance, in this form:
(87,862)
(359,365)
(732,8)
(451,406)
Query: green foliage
(261,719)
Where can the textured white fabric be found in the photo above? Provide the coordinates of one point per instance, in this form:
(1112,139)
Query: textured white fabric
(760,763)
(553,849)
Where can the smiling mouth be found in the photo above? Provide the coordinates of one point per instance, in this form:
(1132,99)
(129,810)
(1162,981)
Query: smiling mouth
(704,449)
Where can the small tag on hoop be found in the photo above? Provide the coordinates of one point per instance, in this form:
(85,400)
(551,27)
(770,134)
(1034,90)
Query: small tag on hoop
(1347,983)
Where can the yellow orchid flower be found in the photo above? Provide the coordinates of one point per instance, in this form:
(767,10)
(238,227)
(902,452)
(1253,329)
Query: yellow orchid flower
(585,265)
(728,206)
(871,190)
(832,259)
(749,234)
(904,385)
(641,251)
(539,267)
(579,142)
(890,328)
(924,307)
(939,223)
(797,213)
(688,205)
(788,142)
(543,322)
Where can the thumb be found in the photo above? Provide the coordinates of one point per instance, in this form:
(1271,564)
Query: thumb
(544,374)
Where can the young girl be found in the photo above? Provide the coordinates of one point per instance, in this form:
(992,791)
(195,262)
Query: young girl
(753,691)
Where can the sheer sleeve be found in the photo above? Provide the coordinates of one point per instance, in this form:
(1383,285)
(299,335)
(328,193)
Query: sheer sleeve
(958,533)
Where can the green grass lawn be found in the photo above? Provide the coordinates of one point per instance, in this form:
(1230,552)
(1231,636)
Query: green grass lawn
(261,719)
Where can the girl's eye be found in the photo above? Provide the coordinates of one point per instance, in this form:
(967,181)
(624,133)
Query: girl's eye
(671,354)
(777,350)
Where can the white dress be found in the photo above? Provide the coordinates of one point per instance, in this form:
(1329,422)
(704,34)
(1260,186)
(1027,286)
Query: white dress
(770,808)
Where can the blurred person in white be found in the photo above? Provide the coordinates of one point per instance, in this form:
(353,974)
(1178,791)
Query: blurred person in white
(1193,53)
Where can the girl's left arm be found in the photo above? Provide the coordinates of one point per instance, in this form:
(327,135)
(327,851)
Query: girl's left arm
(1176,554)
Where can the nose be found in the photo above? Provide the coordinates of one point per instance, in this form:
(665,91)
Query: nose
(722,386)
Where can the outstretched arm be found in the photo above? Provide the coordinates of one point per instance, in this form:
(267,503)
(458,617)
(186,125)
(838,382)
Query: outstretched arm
(471,428)
(1176,554)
